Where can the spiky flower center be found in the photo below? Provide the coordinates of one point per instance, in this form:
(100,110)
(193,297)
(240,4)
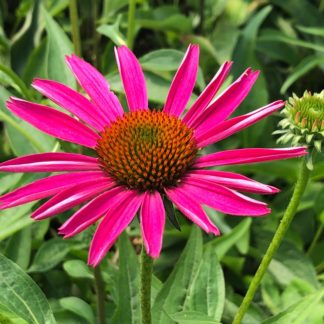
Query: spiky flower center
(307,112)
(147,150)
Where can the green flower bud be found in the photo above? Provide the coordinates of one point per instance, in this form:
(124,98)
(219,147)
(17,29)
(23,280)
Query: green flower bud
(303,123)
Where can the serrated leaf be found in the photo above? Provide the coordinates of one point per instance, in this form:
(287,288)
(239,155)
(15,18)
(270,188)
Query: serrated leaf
(21,295)
(206,295)
(172,296)
(128,307)
(50,254)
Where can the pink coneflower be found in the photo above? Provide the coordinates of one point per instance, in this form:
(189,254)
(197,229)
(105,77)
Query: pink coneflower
(141,156)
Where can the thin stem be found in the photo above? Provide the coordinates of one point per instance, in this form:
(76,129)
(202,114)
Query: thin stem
(290,212)
(100,292)
(131,23)
(146,279)
(315,239)
(74,18)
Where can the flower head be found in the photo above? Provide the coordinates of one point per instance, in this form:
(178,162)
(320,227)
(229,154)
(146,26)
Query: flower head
(140,156)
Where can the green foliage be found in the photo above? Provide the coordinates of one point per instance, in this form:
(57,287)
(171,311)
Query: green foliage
(198,279)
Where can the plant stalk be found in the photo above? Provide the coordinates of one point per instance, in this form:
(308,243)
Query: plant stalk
(74,18)
(100,292)
(131,23)
(289,214)
(146,279)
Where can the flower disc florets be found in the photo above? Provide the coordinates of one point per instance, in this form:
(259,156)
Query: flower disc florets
(147,150)
(304,122)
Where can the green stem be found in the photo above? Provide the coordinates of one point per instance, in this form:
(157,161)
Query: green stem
(131,23)
(146,279)
(15,78)
(315,239)
(74,18)
(100,292)
(275,243)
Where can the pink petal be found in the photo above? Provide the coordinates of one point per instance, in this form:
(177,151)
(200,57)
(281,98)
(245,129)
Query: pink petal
(191,208)
(232,180)
(207,95)
(97,87)
(152,223)
(249,155)
(225,129)
(227,102)
(72,196)
(91,212)
(223,199)
(46,187)
(72,101)
(183,82)
(118,218)
(133,79)
(53,122)
(50,162)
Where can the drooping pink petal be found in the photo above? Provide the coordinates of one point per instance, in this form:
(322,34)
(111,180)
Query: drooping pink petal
(91,212)
(225,129)
(72,196)
(191,209)
(50,162)
(249,155)
(152,223)
(223,199)
(207,95)
(118,218)
(53,122)
(133,79)
(227,102)
(72,101)
(183,82)
(232,180)
(46,187)
(97,87)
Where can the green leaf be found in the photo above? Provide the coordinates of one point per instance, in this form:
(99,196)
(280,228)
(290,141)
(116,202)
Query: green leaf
(128,308)
(19,247)
(300,311)
(21,295)
(77,269)
(226,242)
(304,66)
(78,307)
(58,45)
(113,33)
(8,317)
(172,296)
(192,318)
(50,254)
(206,295)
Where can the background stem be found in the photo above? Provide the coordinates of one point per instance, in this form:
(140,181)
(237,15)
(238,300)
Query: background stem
(131,23)
(302,180)
(74,18)
(146,279)
(100,292)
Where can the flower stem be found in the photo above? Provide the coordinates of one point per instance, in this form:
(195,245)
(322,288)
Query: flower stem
(302,180)
(74,18)
(131,23)
(100,292)
(146,278)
